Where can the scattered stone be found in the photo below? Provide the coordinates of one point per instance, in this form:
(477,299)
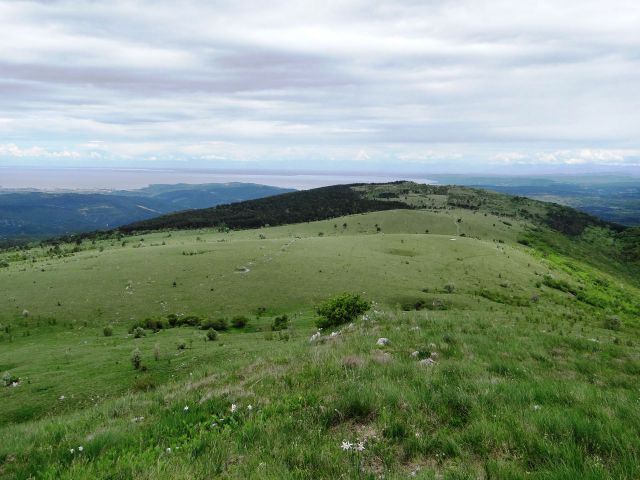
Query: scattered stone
(415,354)
(427,362)
(434,356)
(315,337)
(383,341)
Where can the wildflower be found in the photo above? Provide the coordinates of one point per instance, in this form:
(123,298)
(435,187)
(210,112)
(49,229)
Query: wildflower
(73,450)
(61,397)
(346,445)
(80,448)
(536,407)
(360,446)
(186,408)
(234,407)
(249,407)
(168,450)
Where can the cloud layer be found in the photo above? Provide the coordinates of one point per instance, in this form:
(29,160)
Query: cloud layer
(332,84)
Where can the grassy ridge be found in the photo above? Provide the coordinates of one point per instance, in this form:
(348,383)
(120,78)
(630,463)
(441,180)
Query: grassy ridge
(534,348)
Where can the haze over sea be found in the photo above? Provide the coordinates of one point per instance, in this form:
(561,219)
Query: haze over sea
(87,179)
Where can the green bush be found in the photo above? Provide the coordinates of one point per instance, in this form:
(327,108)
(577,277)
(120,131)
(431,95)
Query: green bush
(239,321)
(172,318)
(150,324)
(212,335)
(219,324)
(136,358)
(107,331)
(190,320)
(341,309)
(139,332)
(280,323)
(613,322)
(181,344)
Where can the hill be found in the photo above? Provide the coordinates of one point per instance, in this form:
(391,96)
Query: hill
(511,352)
(28,215)
(613,198)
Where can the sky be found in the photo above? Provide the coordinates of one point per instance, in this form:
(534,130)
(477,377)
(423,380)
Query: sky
(403,85)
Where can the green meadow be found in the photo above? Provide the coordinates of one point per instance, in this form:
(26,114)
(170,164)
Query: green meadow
(507,357)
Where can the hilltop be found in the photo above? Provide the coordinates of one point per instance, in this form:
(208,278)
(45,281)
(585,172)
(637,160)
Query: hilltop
(512,330)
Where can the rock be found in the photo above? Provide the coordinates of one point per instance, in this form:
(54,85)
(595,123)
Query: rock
(427,362)
(315,337)
(434,355)
(383,341)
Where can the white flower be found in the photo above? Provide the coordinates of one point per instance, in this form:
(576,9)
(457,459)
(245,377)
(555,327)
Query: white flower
(360,446)
(61,397)
(249,407)
(80,448)
(234,407)
(73,450)
(168,450)
(186,408)
(536,407)
(346,445)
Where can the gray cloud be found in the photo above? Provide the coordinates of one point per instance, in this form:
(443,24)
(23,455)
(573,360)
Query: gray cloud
(309,84)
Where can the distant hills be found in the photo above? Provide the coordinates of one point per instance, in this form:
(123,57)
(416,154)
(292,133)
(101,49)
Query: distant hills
(36,214)
(613,198)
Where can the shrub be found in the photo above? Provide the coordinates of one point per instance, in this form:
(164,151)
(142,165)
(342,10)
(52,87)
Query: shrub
(341,309)
(280,323)
(212,335)
(190,320)
(149,324)
(172,318)
(239,321)
(449,288)
(219,324)
(613,322)
(182,345)
(107,331)
(8,379)
(139,332)
(136,358)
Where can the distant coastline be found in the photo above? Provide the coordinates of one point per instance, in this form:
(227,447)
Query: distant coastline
(105,179)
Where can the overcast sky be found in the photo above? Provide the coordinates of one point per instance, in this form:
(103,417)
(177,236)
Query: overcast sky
(425,85)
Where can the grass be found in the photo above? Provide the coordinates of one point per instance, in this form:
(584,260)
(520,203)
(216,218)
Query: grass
(527,381)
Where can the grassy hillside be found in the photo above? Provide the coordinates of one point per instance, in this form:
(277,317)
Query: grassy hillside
(534,367)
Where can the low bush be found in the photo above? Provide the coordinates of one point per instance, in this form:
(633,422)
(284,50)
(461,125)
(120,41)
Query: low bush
(341,309)
(190,320)
(280,323)
(139,332)
(219,324)
(239,321)
(107,331)
(181,344)
(212,335)
(613,322)
(136,359)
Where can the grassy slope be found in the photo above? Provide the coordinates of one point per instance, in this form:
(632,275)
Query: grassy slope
(541,388)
